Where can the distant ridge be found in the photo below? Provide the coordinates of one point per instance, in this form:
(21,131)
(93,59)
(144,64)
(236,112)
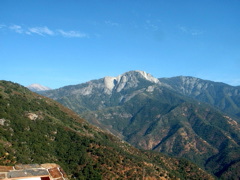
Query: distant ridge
(38,87)
(35,129)
(180,116)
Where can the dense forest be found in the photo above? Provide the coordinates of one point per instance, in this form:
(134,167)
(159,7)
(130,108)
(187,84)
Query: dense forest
(35,129)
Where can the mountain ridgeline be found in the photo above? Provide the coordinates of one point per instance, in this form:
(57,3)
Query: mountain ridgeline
(182,116)
(222,96)
(36,129)
(38,87)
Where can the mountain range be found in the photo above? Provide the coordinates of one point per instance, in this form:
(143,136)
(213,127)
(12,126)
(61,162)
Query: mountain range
(35,129)
(181,116)
(38,87)
(222,96)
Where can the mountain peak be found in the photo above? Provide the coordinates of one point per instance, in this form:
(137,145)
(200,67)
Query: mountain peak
(143,74)
(128,79)
(38,87)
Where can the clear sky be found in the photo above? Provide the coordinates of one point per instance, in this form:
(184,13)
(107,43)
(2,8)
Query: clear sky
(64,42)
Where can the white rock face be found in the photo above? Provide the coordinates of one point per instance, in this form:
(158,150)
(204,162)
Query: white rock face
(32,116)
(127,79)
(150,89)
(38,87)
(122,83)
(109,82)
(2,121)
(148,76)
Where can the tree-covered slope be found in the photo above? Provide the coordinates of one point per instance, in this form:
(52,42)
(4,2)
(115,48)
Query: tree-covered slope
(186,129)
(152,114)
(35,129)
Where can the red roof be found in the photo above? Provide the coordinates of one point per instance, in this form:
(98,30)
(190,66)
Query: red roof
(48,171)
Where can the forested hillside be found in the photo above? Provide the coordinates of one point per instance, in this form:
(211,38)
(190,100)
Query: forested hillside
(154,114)
(35,129)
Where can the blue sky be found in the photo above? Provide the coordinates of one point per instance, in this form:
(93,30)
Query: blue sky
(62,42)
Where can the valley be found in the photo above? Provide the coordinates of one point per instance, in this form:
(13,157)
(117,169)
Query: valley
(36,130)
(184,116)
